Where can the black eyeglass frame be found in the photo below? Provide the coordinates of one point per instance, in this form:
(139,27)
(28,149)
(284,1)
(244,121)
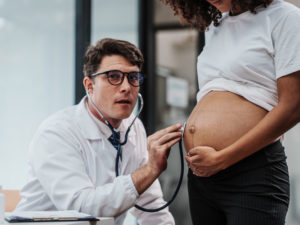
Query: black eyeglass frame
(140,77)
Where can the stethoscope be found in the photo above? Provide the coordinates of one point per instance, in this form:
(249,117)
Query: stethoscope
(114,133)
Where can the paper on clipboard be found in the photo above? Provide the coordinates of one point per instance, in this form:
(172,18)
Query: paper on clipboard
(38,216)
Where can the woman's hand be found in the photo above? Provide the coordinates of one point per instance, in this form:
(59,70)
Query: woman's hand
(204,161)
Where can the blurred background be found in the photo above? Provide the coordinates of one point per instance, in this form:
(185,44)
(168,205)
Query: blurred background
(41,48)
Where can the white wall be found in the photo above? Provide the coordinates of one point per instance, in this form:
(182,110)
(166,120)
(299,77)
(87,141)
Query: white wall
(37,75)
(115,19)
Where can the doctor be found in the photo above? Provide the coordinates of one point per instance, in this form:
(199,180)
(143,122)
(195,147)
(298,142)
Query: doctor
(72,161)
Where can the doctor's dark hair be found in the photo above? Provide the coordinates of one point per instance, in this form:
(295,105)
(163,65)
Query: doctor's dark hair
(107,47)
(201,13)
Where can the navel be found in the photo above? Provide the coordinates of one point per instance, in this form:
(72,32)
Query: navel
(192,129)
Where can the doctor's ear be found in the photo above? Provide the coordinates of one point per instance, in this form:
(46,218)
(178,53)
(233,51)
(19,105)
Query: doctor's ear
(89,90)
(88,85)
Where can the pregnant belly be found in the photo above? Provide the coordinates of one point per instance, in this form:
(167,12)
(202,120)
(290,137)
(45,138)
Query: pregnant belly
(219,119)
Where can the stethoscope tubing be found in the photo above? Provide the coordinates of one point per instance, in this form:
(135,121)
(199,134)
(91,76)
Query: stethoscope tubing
(125,141)
(177,187)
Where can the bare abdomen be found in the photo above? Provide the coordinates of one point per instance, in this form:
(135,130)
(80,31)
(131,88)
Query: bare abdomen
(219,119)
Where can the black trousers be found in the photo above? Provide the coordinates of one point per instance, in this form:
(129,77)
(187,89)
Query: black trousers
(254,191)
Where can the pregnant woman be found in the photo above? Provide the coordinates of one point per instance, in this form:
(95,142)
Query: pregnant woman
(249,96)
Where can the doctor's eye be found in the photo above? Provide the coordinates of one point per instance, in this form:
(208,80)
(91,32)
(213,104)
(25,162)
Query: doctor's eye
(115,76)
(133,76)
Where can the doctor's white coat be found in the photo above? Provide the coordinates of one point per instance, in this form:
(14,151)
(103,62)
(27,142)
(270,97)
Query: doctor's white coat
(72,166)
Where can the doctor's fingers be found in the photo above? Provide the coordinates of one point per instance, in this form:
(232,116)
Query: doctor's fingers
(157,152)
(167,146)
(168,137)
(161,140)
(161,133)
(171,142)
(164,143)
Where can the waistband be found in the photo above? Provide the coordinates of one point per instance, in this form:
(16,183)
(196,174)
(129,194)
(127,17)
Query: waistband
(271,154)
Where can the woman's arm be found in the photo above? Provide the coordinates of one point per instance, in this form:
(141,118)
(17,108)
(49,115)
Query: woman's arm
(206,161)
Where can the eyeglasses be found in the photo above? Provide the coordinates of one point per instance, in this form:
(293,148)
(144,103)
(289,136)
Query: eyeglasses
(116,77)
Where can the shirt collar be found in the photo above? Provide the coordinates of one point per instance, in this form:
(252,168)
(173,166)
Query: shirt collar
(93,128)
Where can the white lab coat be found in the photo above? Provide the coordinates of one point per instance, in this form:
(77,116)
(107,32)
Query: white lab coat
(72,166)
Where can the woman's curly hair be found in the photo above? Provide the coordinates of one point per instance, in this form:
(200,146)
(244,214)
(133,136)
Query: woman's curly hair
(202,14)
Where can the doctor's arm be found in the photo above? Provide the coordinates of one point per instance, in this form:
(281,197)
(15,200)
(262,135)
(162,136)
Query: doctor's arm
(58,162)
(152,197)
(159,145)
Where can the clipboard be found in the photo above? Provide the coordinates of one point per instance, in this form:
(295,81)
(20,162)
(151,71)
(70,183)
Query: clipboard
(48,216)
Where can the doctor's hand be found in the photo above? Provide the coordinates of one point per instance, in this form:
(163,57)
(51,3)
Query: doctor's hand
(159,145)
(204,161)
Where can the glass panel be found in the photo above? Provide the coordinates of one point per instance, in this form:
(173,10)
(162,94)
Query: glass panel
(292,143)
(164,15)
(115,19)
(37,75)
(176,53)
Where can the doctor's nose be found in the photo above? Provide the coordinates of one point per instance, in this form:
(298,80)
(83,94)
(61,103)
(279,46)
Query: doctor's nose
(125,86)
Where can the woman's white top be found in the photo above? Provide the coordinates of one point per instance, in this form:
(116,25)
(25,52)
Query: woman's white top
(72,167)
(247,53)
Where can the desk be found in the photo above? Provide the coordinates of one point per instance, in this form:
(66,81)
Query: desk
(103,221)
